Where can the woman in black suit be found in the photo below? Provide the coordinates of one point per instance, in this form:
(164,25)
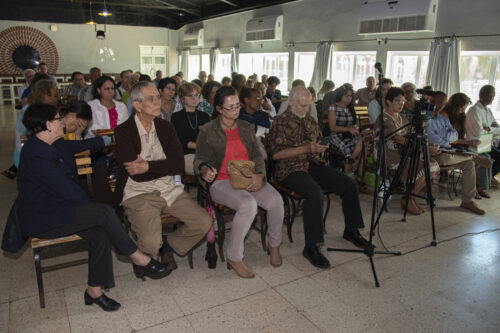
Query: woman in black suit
(52,204)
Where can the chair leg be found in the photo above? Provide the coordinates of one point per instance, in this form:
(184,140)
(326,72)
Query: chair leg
(449,183)
(287,217)
(326,211)
(190,259)
(263,229)
(292,219)
(221,231)
(38,269)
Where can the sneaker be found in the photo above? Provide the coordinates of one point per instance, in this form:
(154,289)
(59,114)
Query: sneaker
(315,257)
(472,207)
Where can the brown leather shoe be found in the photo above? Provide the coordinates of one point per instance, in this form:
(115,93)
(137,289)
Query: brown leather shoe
(472,207)
(274,255)
(241,269)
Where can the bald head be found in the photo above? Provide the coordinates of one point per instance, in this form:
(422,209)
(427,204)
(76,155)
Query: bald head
(299,100)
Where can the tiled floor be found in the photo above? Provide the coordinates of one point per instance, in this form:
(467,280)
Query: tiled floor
(453,287)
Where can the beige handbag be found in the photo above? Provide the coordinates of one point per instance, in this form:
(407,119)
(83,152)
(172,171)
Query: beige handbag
(240,172)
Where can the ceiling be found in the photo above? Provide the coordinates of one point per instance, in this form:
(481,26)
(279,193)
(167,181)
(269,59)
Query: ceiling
(171,14)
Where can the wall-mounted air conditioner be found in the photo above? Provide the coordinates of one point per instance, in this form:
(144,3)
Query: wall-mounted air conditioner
(267,28)
(397,16)
(193,38)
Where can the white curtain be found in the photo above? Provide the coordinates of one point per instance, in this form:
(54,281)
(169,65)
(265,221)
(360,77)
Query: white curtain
(322,64)
(214,58)
(184,63)
(442,71)
(234,59)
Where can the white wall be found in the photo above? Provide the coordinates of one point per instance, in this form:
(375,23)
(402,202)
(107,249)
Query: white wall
(321,20)
(79,49)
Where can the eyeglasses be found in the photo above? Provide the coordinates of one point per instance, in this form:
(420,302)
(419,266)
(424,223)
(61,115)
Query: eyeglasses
(193,96)
(232,107)
(151,99)
(61,119)
(400,101)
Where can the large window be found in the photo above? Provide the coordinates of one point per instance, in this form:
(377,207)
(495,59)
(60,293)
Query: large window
(407,67)
(272,64)
(223,66)
(478,69)
(353,67)
(193,67)
(153,58)
(304,66)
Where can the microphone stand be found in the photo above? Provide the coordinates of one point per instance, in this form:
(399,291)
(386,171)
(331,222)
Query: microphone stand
(381,173)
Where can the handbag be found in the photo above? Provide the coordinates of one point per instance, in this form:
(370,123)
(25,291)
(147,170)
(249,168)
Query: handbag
(241,172)
(13,239)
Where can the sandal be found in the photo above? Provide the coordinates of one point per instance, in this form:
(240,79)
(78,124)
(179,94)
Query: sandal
(483,194)
(478,196)
(9,174)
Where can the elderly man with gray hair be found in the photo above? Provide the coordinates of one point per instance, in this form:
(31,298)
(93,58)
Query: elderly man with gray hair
(150,160)
(295,146)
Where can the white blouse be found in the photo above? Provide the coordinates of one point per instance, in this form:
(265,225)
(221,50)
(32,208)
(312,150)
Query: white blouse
(100,116)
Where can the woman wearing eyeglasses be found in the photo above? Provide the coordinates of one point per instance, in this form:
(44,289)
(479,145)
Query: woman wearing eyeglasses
(106,111)
(228,138)
(396,143)
(187,122)
(52,204)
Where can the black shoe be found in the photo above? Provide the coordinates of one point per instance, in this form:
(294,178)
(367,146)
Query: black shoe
(106,303)
(356,238)
(315,257)
(153,270)
(211,255)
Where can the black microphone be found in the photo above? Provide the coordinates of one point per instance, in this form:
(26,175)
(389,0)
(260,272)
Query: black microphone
(378,66)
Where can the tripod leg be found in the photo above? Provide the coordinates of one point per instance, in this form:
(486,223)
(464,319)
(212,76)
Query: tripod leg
(430,197)
(377,284)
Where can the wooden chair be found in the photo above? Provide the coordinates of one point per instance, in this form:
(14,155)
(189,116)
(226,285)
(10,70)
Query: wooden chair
(165,218)
(38,244)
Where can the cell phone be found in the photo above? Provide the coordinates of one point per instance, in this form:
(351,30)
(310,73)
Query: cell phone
(326,140)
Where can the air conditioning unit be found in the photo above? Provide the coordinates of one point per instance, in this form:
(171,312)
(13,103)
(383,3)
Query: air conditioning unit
(194,38)
(267,28)
(397,16)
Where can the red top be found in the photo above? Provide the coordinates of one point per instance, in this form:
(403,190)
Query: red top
(113,117)
(235,150)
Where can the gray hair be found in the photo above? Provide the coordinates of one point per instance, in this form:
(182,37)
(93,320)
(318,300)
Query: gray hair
(136,93)
(28,70)
(408,84)
(295,92)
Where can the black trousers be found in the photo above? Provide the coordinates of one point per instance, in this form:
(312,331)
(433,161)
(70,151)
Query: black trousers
(495,154)
(310,185)
(98,224)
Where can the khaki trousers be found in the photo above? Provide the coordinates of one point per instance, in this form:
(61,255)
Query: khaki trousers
(466,164)
(144,210)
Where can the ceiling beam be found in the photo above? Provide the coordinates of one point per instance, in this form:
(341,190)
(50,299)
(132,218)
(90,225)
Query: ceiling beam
(230,3)
(194,12)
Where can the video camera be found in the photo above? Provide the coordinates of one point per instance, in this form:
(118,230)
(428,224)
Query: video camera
(423,109)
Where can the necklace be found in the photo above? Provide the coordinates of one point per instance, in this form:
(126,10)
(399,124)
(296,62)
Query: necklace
(398,120)
(230,128)
(195,122)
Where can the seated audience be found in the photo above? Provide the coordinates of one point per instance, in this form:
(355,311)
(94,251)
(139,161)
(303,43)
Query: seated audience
(77,116)
(344,133)
(312,107)
(208,94)
(37,77)
(149,156)
(396,145)
(226,81)
(251,111)
(374,108)
(106,111)
(480,120)
(124,84)
(448,128)
(128,102)
(187,123)
(439,100)
(168,91)
(158,76)
(272,93)
(228,138)
(267,105)
(23,91)
(44,69)
(294,138)
(197,82)
(250,83)
(364,96)
(52,204)
(86,94)
(77,84)
(210,77)
(203,78)
(238,82)
(43,92)
(264,78)
(313,94)
(325,88)
(410,105)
